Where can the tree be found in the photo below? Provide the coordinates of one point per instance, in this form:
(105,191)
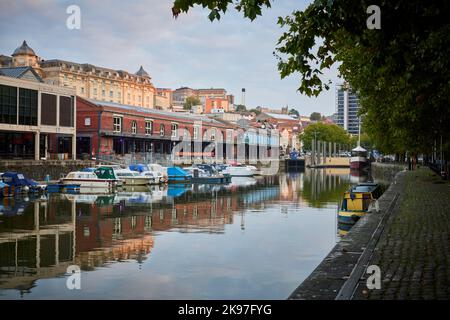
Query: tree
(324,132)
(240,108)
(400,72)
(315,116)
(294,112)
(191,102)
(256,111)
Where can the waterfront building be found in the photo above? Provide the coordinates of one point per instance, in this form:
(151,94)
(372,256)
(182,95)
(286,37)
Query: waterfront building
(347,107)
(117,130)
(288,127)
(89,81)
(37,120)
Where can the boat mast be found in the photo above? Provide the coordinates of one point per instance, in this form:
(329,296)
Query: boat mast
(359,131)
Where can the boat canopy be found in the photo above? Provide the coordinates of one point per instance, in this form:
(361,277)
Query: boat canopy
(359,149)
(105,173)
(15,179)
(88,170)
(176,172)
(139,167)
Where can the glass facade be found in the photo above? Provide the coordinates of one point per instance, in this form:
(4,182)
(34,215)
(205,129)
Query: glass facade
(48,109)
(8,104)
(352,110)
(28,107)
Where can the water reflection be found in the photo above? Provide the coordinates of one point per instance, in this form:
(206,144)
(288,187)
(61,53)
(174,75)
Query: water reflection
(171,233)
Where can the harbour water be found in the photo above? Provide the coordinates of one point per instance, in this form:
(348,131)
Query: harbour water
(257,238)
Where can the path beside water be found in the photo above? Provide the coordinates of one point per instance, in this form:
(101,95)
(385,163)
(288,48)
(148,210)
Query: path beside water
(408,239)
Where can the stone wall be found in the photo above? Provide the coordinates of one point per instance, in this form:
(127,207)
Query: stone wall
(39,169)
(385,171)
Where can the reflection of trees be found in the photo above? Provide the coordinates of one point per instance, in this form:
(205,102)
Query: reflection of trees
(322,186)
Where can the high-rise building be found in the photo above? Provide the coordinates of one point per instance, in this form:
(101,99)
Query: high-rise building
(347,107)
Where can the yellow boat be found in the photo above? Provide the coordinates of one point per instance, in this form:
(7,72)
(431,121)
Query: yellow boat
(356,202)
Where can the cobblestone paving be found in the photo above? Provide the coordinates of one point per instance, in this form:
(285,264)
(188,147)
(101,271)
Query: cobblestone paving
(413,252)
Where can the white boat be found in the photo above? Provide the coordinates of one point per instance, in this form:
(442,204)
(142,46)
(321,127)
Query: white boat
(239,171)
(160,170)
(359,160)
(89,182)
(255,170)
(132,178)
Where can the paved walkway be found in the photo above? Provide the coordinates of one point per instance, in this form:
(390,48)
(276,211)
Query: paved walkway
(413,252)
(408,239)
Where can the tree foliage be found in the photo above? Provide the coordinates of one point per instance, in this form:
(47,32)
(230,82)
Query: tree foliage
(240,108)
(294,112)
(315,116)
(324,132)
(190,102)
(399,72)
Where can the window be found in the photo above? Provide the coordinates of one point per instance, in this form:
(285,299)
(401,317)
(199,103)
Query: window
(103,93)
(95,91)
(148,127)
(174,130)
(134,127)
(66,114)
(111,93)
(196,130)
(213,134)
(162,130)
(87,121)
(65,77)
(28,106)
(8,104)
(82,90)
(117,124)
(48,109)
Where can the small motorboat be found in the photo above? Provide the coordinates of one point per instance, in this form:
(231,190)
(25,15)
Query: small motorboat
(17,183)
(133,178)
(88,182)
(357,202)
(178,175)
(144,170)
(239,171)
(105,172)
(202,173)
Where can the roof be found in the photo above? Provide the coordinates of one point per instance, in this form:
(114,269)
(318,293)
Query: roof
(280,116)
(24,49)
(182,116)
(19,72)
(359,149)
(141,72)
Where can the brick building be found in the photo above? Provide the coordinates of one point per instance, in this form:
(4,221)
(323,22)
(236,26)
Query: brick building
(106,128)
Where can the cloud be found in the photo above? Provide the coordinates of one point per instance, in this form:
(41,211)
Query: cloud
(232,53)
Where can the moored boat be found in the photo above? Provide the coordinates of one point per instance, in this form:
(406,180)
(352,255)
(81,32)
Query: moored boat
(178,175)
(132,178)
(358,160)
(357,202)
(88,182)
(239,171)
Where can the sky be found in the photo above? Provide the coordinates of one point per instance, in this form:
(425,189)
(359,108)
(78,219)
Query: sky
(232,53)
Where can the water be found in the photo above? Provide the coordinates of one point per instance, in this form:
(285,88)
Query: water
(257,238)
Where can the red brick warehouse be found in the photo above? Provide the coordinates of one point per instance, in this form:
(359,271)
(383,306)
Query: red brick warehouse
(107,128)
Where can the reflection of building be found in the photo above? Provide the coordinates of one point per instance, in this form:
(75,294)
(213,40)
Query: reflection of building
(347,105)
(37,120)
(37,244)
(89,81)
